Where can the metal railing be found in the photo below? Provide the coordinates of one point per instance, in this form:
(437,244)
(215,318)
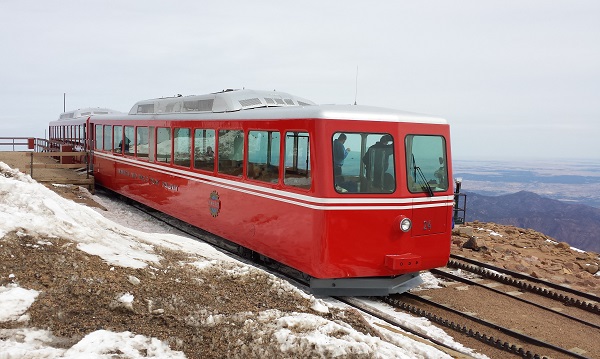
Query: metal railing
(16,143)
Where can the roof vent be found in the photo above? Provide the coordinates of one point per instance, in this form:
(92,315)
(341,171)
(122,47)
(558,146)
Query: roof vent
(250,102)
(147,108)
(198,105)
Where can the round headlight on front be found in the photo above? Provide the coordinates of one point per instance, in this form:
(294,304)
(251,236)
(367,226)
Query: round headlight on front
(405,225)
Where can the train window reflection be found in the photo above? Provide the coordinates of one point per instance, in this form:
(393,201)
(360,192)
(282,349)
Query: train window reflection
(163,144)
(107,138)
(118,139)
(204,149)
(141,144)
(127,141)
(98,137)
(263,156)
(426,163)
(182,145)
(297,160)
(231,151)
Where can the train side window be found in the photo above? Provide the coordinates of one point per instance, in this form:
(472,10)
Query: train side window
(263,156)
(128,140)
(141,142)
(108,138)
(231,152)
(82,133)
(369,164)
(163,144)
(297,160)
(118,139)
(427,168)
(204,149)
(182,145)
(98,137)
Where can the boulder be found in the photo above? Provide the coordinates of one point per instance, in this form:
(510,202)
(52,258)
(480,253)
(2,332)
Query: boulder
(463,231)
(475,244)
(592,268)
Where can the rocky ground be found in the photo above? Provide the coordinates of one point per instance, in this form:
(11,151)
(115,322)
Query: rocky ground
(529,252)
(78,297)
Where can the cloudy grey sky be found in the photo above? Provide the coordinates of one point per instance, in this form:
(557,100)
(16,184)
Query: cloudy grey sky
(515,79)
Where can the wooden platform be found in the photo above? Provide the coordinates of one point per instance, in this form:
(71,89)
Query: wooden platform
(47,169)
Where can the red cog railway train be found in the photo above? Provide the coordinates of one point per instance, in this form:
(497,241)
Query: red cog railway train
(356,197)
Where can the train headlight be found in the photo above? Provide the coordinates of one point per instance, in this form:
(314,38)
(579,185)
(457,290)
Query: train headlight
(405,224)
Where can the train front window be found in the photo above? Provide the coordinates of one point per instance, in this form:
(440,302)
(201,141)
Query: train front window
(427,168)
(363,162)
(263,156)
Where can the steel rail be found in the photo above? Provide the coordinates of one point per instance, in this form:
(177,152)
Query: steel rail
(472,282)
(485,270)
(481,337)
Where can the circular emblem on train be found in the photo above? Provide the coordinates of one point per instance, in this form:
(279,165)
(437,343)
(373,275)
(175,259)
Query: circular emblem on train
(214,203)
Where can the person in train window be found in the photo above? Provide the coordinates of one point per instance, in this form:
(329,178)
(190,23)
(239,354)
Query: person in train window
(440,173)
(339,154)
(127,143)
(376,160)
(210,152)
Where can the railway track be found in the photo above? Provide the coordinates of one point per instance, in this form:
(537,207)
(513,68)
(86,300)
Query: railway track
(526,283)
(562,309)
(487,332)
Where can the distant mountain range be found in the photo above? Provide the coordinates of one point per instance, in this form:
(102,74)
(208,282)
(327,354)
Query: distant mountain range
(576,224)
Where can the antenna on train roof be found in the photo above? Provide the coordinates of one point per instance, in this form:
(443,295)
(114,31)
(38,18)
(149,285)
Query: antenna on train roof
(356,86)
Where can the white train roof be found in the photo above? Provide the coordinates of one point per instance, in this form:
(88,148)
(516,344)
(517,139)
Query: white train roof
(327,112)
(85,112)
(224,101)
(264,105)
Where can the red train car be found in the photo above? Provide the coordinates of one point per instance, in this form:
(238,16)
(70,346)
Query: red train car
(356,197)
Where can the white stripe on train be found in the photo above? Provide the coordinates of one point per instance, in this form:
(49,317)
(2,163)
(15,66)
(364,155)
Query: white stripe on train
(318,203)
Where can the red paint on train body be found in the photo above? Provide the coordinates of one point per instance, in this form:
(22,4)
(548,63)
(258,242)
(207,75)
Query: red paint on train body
(273,187)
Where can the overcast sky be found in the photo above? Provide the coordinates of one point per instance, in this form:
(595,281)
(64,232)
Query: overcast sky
(515,79)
